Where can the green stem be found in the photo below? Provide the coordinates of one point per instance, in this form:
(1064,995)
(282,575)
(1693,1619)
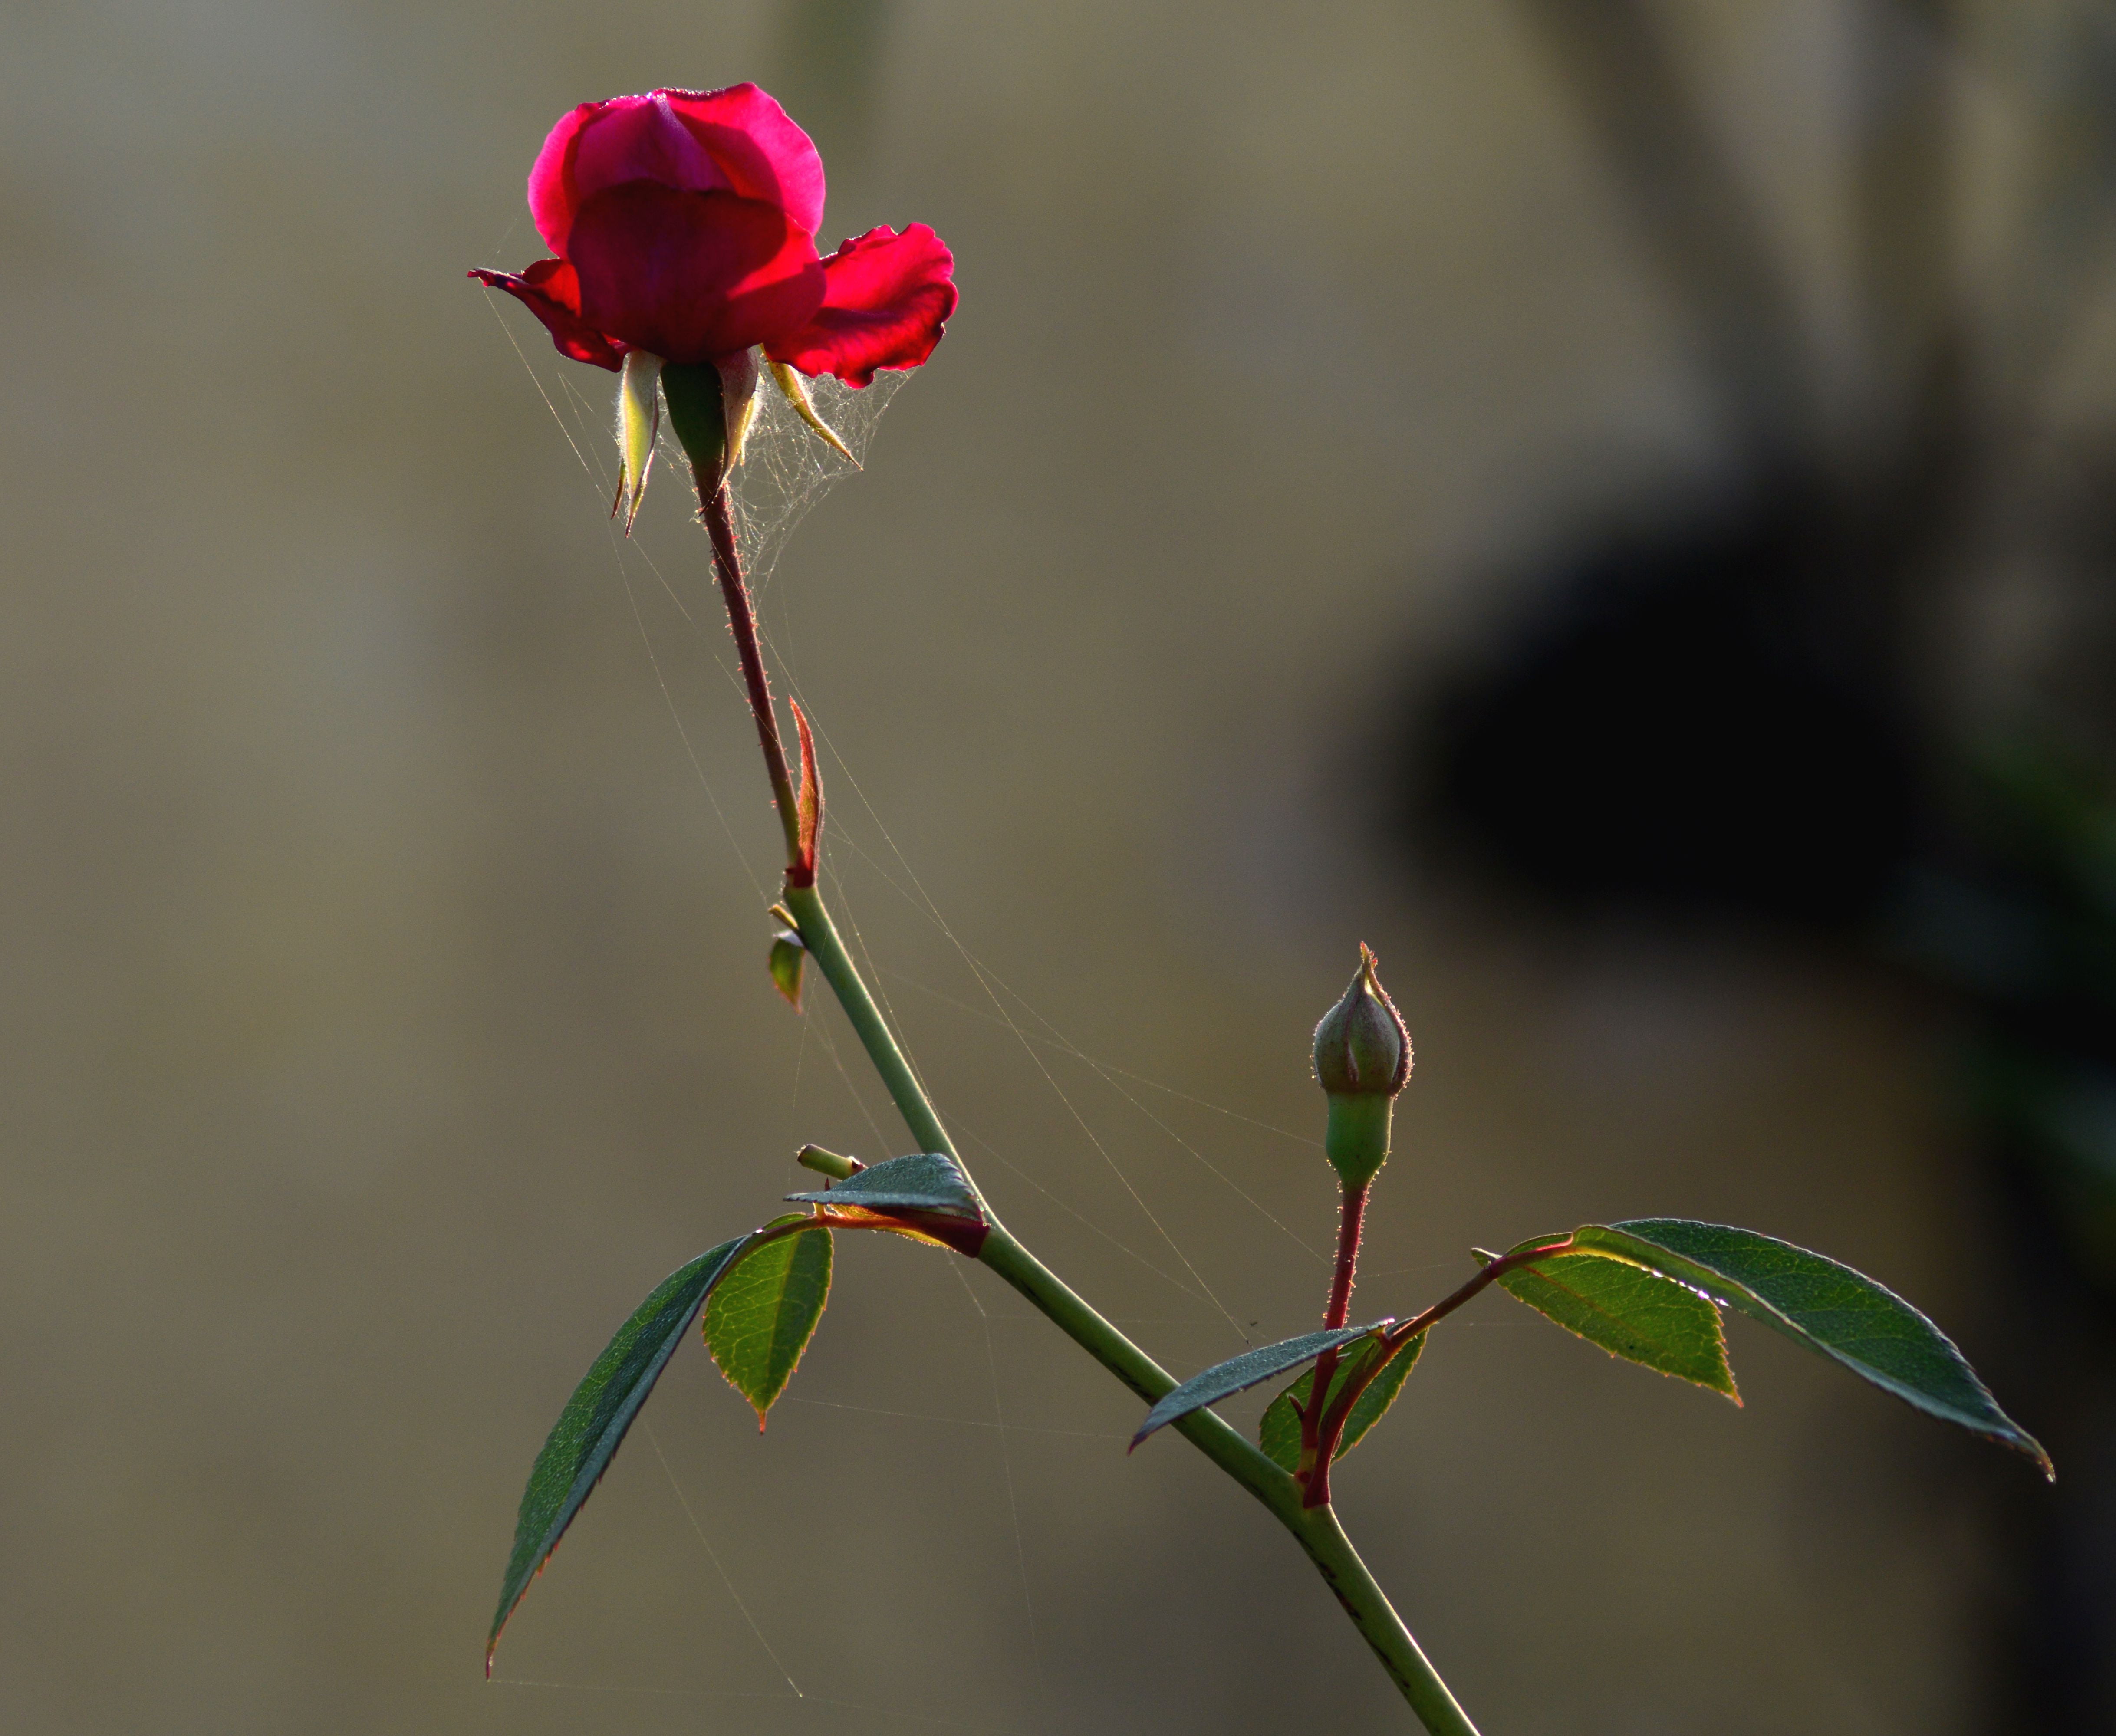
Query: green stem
(1315,1529)
(819,934)
(1379,1625)
(1071,1313)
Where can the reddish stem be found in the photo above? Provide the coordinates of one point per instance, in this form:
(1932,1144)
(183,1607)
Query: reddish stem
(1448,1305)
(741,618)
(1349,1220)
(1351,1217)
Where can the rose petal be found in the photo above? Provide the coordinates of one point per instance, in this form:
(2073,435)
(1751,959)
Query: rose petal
(761,152)
(551,194)
(888,299)
(551,291)
(736,140)
(691,276)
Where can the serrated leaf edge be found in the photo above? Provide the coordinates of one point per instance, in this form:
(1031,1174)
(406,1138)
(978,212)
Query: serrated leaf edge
(1740,1297)
(705,1335)
(1730,1390)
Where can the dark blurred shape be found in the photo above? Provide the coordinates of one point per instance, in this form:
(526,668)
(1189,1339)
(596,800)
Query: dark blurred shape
(1750,708)
(1710,710)
(2017,914)
(1670,731)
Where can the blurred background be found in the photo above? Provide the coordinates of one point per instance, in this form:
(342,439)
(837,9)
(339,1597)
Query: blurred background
(1611,503)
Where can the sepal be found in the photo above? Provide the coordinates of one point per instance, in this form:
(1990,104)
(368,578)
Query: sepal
(796,390)
(638,425)
(738,401)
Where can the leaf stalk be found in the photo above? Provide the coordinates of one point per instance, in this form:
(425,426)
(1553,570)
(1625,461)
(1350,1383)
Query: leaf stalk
(1400,1335)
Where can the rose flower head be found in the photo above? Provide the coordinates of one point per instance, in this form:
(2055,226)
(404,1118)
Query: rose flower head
(683,225)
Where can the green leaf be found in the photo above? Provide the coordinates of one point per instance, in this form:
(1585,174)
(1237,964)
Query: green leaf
(1826,1307)
(927,1181)
(788,957)
(596,1419)
(762,1315)
(1279,1433)
(1224,1379)
(1630,1311)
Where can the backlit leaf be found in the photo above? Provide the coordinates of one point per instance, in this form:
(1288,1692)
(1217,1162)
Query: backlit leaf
(1279,1433)
(761,1317)
(1630,1311)
(1224,1379)
(1826,1307)
(593,1424)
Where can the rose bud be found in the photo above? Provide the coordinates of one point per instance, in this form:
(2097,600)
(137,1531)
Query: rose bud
(683,225)
(1362,1060)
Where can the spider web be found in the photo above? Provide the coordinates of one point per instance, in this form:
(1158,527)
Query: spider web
(786,468)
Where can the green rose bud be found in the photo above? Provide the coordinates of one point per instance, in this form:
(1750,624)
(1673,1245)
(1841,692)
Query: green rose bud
(1362,1060)
(1361,1046)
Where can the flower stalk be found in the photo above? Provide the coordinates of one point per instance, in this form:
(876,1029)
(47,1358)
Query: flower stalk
(1319,1440)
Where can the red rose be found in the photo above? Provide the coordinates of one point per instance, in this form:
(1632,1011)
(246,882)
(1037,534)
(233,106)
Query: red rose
(684,225)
